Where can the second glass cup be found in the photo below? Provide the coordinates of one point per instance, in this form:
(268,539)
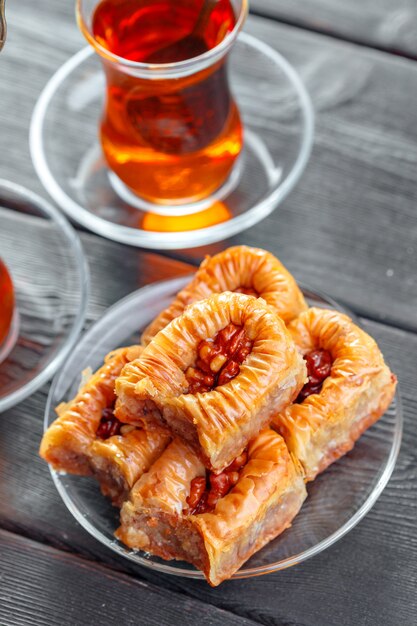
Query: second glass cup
(171,130)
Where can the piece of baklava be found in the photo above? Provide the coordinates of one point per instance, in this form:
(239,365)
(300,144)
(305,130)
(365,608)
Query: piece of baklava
(118,462)
(214,376)
(349,387)
(179,510)
(240,269)
(87,438)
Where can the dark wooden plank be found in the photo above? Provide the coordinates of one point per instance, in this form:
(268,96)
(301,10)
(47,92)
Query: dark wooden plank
(378,23)
(349,226)
(369,577)
(117,270)
(43,586)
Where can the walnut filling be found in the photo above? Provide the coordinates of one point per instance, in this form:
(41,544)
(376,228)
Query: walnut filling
(109,424)
(248,291)
(205,491)
(218,359)
(319,366)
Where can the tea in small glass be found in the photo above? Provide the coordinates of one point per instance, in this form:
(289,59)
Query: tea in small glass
(171,130)
(7,303)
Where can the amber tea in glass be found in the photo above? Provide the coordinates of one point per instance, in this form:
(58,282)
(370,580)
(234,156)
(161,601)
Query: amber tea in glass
(171,130)
(6,303)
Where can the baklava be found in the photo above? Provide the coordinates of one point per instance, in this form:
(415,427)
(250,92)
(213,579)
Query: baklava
(214,376)
(179,510)
(87,438)
(349,387)
(239,269)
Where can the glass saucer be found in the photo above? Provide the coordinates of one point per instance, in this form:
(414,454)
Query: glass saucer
(337,500)
(50,278)
(278,119)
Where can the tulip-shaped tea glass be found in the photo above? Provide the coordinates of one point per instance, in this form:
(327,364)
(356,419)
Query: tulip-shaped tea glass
(170,131)
(8,317)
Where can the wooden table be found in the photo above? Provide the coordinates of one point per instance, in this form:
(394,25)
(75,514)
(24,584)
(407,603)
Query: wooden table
(350,228)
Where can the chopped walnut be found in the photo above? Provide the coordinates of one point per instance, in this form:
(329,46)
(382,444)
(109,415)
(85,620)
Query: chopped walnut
(219,359)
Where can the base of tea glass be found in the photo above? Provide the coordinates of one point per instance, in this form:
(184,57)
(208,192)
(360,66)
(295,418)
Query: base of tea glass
(47,266)
(278,126)
(337,500)
(177,210)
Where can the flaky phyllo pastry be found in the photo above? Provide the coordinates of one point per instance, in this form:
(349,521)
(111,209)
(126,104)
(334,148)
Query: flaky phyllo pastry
(240,269)
(87,439)
(206,435)
(349,388)
(214,376)
(267,493)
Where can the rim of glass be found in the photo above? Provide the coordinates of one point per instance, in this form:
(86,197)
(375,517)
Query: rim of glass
(15,191)
(163,289)
(179,239)
(205,59)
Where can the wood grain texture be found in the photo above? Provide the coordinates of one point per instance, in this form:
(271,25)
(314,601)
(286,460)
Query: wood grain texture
(32,592)
(349,227)
(379,23)
(366,578)
(117,270)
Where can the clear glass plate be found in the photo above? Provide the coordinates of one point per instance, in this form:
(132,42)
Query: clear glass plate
(50,278)
(278,120)
(336,501)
